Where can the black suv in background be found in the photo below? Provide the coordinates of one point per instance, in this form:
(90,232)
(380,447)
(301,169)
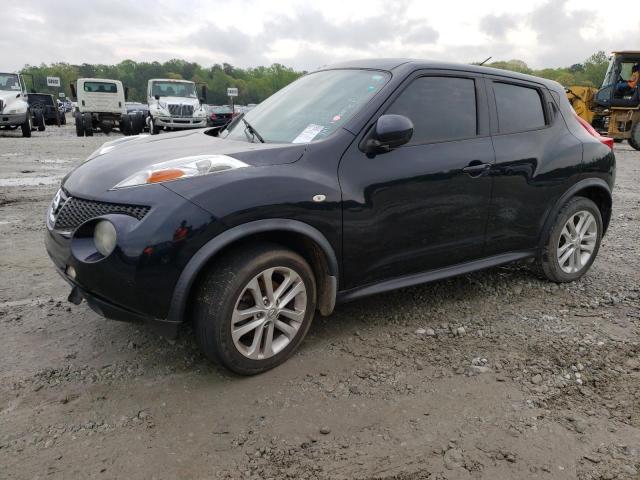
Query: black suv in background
(354,180)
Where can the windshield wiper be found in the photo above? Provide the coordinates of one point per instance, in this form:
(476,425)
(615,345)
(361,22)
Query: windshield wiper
(252,130)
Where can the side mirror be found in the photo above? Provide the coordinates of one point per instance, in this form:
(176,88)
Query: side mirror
(157,97)
(204,93)
(73,90)
(389,132)
(126,93)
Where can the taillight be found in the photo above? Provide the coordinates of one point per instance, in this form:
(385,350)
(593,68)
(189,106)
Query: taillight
(213,116)
(608,141)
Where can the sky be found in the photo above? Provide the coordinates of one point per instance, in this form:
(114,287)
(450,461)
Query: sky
(306,35)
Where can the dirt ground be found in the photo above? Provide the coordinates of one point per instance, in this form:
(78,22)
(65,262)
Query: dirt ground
(493,375)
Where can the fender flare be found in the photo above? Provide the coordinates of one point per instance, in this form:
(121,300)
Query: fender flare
(212,247)
(571,192)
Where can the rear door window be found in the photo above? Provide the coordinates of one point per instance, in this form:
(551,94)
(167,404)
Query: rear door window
(519,108)
(441,108)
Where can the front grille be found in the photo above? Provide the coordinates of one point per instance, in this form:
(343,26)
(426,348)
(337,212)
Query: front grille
(76,211)
(180,110)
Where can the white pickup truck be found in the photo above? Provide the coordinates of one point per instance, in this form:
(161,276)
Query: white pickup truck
(14,108)
(174,104)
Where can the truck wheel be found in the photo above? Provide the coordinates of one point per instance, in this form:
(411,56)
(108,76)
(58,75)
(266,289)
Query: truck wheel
(634,139)
(79,124)
(26,126)
(153,130)
(40,121)
(88,124)
(138,124)
(125,125)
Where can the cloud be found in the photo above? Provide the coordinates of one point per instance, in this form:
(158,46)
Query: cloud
(497,26)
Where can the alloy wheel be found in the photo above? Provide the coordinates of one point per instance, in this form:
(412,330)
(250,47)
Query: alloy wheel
(268,313)
(577,241)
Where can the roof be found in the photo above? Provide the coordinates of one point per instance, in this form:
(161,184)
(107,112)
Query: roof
(409,64)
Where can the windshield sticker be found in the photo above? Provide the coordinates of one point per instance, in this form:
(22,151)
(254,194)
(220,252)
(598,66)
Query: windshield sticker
(308,133)
(15,87)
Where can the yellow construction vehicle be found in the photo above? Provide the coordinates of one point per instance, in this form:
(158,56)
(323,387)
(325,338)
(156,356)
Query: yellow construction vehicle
(613,110)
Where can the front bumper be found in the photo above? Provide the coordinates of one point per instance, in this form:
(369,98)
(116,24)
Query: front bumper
(136,281)
(180,122)
(12,119)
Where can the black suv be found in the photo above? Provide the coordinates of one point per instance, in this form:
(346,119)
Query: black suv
(354,180)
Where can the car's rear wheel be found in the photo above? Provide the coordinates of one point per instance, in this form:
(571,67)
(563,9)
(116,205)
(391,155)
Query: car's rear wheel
(254,307)
(573,242)
(40,120)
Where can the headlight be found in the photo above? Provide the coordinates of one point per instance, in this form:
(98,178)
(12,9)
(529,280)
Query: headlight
(182,168)
(105,237)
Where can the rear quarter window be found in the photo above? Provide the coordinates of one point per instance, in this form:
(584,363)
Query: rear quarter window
(519,108)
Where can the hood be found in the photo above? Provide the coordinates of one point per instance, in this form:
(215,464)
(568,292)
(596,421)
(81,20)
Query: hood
(180,101)
(9,96)
(129,155)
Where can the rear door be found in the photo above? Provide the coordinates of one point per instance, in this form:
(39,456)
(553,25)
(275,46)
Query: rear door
(536,156)
(424,205)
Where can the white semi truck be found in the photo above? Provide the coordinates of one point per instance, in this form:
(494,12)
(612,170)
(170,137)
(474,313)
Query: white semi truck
(101,104)
(174,105)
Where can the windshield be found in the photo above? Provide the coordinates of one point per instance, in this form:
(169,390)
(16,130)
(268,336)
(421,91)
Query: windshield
(9,81)
(173,89)
(311,108)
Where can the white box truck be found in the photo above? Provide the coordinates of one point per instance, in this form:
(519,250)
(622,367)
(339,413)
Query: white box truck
(14,105)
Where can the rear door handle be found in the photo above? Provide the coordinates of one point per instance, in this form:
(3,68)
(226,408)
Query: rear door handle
(475,168)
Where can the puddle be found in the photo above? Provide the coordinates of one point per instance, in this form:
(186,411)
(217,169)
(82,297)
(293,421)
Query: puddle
(29,181)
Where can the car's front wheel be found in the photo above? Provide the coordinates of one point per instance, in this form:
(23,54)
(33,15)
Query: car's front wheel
(573,242)
(254,307)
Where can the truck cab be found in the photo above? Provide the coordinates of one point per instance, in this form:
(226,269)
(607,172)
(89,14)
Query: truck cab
(101,104)
(174,105)
(619,70)
(14,105)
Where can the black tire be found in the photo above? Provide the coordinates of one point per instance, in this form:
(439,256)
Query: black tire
(138,124)
(219,292)
(634,139)
(26,126)
(79,124)
(39,121)
(153,130)
(547,262)
(87,120)
(125,125)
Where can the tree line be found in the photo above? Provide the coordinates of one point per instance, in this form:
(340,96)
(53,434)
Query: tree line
(256,84)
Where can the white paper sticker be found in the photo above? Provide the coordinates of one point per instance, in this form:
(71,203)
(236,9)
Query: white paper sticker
(308,133)
(15,87)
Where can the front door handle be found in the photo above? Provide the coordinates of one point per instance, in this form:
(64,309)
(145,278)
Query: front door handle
(476,168)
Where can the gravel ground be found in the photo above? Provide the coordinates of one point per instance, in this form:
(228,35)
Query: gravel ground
(494,375)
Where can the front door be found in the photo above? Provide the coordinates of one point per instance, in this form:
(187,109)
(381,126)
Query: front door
(424,205)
